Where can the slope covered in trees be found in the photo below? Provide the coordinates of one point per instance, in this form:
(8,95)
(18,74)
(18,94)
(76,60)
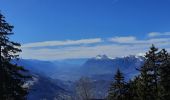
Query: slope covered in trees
(151,84)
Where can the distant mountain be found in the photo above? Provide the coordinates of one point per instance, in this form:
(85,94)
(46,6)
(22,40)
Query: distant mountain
(77,62)
(45,68)
(102,57)
(104,65)
(101,70)
(45,88)
(42,86)
(57,78)
(73,69)
(62,70)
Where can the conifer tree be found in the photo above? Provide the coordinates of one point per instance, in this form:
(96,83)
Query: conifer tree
(144,88)
(149,77)
(151,84)
(164,74)
(133,89)
(11,75)
(118,90)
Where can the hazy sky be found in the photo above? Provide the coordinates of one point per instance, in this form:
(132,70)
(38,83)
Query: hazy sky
(61,29)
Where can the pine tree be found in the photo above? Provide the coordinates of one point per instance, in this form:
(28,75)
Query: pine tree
(133,89)
(11,75)
(165,75)
(118,90)
(149,77)
(144,88)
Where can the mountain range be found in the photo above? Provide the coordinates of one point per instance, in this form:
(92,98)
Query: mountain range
(58,78)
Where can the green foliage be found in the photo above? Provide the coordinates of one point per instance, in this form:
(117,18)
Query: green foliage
(11,75)
(148,79)
(118,89)
(133,88)
(164,75)
(153,82)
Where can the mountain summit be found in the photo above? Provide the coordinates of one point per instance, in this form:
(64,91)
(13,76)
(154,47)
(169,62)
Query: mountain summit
(102,57)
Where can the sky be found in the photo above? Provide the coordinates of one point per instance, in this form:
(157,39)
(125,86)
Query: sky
(67,29)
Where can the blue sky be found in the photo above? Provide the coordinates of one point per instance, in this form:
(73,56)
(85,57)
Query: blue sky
(61,29)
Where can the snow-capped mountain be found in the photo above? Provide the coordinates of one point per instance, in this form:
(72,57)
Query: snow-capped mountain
(103,64)
(59,76)
(101,57)
(68,71)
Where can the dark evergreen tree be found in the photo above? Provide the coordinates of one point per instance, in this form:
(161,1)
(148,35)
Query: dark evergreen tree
(133,89)
(11,75)
(148,86)
(144,85)
(164,74)
(153,82)
(118,89)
